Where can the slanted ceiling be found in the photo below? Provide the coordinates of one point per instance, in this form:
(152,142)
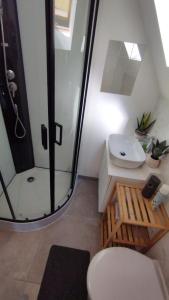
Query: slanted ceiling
(148,13)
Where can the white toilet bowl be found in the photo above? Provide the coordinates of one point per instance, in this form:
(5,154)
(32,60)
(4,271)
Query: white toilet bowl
(123,274)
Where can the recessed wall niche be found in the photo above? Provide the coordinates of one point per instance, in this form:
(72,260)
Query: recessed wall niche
(123,61)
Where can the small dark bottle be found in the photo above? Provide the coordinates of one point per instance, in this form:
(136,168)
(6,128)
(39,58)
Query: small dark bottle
(151,186)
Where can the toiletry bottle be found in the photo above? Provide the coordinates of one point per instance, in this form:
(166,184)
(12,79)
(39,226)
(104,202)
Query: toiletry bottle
(161,196)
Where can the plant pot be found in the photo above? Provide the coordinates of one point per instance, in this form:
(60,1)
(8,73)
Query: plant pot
(140,133)
(152,163)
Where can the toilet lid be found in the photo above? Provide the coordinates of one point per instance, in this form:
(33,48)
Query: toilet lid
(122,274)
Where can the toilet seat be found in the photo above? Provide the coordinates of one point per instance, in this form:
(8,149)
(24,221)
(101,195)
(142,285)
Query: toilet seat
(122,274)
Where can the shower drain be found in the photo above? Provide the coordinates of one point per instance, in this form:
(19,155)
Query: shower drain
(31,179)
(122,153)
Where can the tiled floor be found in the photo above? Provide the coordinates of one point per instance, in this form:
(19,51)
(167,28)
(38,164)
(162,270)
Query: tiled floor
(23,255)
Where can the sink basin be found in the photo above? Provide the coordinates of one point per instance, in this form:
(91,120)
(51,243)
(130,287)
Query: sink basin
(126,151)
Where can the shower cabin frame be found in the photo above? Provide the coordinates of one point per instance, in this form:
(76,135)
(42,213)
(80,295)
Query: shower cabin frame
(91,28)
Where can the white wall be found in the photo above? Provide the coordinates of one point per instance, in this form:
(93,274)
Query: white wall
(107,113)
(6,162)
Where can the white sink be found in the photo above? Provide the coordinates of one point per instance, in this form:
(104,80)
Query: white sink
(126,151)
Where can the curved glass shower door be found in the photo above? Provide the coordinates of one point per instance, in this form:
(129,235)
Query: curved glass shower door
(70,30)
(38,168)
(7,170)
(24,162)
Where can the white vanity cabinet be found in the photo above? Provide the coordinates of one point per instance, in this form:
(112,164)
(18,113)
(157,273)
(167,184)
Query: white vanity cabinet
(109,174)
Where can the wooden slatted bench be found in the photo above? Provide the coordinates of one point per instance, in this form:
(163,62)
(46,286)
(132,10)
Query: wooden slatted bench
(130,220)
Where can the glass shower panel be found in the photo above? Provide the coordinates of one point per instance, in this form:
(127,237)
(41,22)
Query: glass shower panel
(29,187)
(7,169)
(32,187)
(71,20)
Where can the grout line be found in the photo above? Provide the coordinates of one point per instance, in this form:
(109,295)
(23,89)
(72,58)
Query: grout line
(26,281)
(83,217)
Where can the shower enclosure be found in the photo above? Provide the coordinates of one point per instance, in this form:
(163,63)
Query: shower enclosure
(45,57)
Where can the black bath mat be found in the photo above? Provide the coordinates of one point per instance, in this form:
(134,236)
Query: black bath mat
(65,275)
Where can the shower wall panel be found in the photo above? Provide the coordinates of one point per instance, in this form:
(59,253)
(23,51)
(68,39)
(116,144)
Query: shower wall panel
(22,151)
(31,16)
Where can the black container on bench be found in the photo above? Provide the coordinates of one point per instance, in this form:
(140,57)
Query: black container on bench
(151,186)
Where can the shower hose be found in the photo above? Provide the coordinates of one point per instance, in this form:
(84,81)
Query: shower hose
(18,121)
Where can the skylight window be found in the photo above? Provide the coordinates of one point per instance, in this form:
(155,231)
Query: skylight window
(62,8)
(62,13)
(162,9)
(65,13)
(133,51)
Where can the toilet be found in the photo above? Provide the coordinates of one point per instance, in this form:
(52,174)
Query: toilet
(123,274)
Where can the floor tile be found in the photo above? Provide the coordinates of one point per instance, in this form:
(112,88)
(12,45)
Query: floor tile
(31,291)
(17,254)
(11,289)
(85,200)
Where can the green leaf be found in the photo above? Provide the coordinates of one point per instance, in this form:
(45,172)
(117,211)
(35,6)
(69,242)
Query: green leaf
(163,144)
(166,152)
(142,122)
(147,119)
(165,149)
(159,149)
(144,125)
(150,125)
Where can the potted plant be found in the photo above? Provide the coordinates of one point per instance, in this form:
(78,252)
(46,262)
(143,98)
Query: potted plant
(144,125)
(159,150)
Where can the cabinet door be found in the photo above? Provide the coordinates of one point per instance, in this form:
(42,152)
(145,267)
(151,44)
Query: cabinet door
(109,191)
(104,180)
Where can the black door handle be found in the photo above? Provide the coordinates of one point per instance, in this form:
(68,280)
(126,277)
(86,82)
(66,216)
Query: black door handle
(44,136)
(58,142)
